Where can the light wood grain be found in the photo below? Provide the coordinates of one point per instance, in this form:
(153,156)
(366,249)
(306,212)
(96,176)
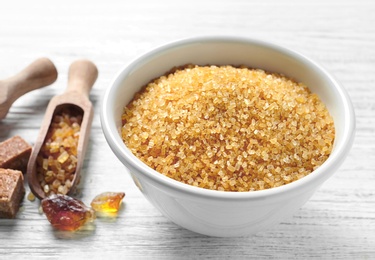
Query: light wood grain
(337,223)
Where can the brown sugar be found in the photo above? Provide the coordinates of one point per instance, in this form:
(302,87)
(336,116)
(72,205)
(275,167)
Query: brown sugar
(14,154)
(12,192)
(229,129)
(57,159)
(66,213)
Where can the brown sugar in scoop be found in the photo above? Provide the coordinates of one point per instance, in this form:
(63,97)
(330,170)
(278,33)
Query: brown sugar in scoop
(58,154)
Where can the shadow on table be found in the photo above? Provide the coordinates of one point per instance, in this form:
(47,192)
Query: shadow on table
(298,237)
(86,231)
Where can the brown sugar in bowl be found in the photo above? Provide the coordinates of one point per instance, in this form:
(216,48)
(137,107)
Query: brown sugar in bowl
(228,129)
(215,212)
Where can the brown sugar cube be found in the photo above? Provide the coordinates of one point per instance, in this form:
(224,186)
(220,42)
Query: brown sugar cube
(12,192)
(14,154)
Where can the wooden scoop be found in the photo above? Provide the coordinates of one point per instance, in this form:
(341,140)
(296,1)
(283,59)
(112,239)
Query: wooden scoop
(38,74)
(82,76)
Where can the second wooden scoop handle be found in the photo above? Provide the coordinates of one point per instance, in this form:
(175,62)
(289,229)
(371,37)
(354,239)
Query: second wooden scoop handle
(82,76)
(40,73)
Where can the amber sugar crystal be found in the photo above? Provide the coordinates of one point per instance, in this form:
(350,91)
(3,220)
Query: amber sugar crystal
(57,160)
(108,202)
(66,213)
(229,129)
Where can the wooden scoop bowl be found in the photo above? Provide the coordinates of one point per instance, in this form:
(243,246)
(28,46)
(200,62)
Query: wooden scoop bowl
(82,76)
(38,74)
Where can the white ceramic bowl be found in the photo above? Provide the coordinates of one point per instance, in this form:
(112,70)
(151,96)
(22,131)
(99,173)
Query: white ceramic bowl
(216,213)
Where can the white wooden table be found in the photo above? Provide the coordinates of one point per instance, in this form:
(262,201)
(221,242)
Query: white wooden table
(337,223)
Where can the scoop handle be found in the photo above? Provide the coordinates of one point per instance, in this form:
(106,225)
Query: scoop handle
(82,76)
(40,73)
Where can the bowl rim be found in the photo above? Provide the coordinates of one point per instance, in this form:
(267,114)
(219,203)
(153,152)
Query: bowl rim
(309,182)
